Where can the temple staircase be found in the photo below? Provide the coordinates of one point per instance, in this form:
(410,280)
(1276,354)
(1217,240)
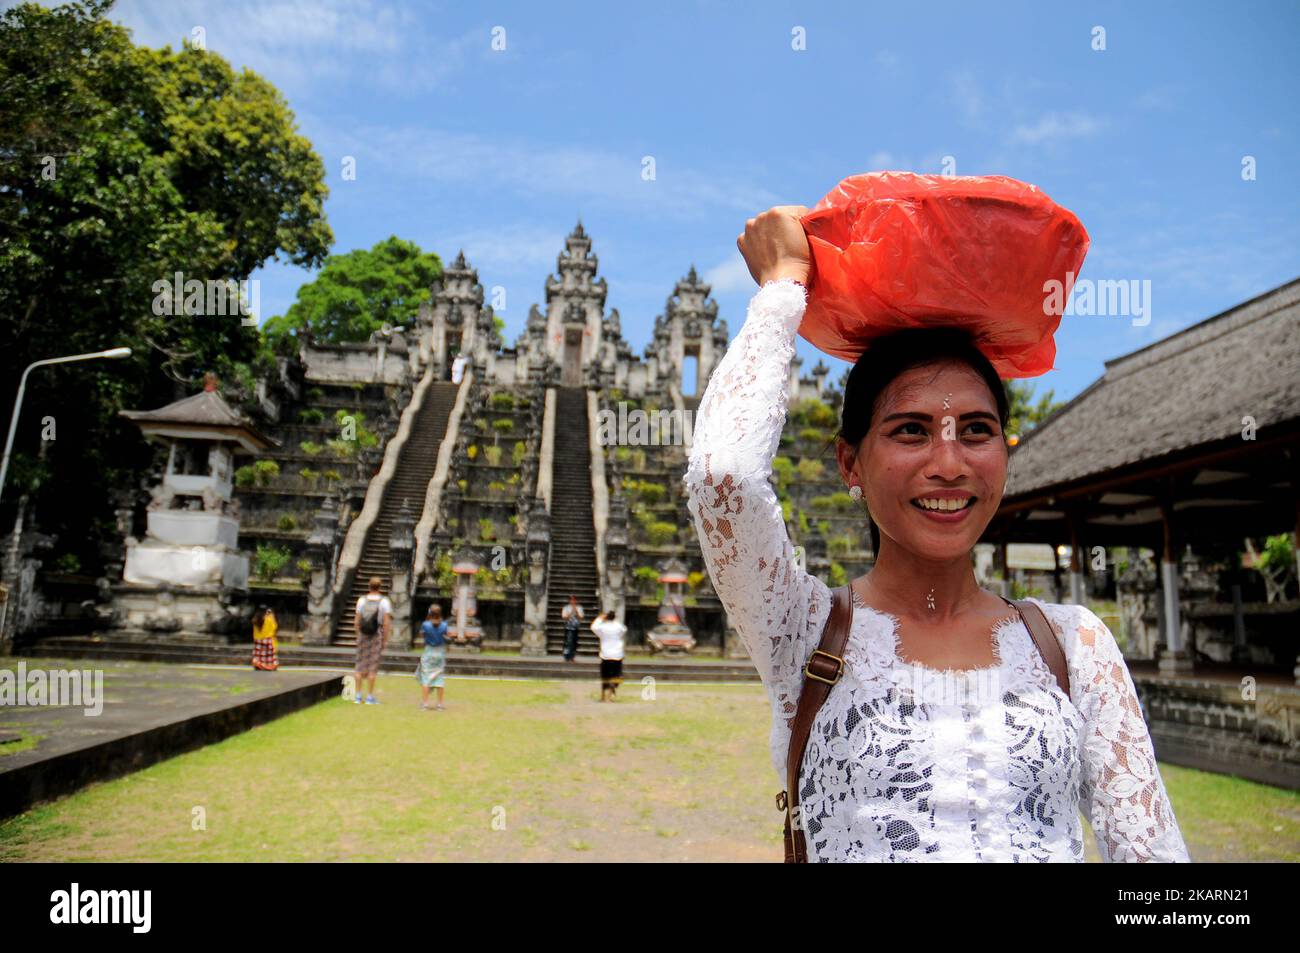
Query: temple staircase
(409,484)
(573,534)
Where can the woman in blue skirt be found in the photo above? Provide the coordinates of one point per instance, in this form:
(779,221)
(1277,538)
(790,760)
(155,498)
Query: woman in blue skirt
(433,663)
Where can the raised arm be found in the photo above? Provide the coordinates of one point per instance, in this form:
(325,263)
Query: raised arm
(769,597)
(1122,792)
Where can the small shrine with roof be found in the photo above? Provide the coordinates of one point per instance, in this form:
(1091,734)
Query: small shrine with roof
(187,575)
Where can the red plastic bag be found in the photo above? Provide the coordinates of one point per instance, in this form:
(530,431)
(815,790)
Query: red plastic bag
(894,250)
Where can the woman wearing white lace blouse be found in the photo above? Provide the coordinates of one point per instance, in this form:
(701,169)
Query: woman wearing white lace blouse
(946,737)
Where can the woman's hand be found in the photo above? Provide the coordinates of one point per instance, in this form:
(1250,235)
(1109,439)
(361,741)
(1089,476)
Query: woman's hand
(774,245)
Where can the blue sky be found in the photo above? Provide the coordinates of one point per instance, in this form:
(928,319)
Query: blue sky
(500,152)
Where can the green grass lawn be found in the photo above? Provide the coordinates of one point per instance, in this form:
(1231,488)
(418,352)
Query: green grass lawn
(513,770)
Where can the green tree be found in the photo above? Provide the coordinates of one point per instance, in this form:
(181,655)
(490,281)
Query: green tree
(120,166)
(357,293)
(1276,564)
(1025,412)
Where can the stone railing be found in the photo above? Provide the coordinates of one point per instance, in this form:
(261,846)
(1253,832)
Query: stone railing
(547,453)
(599,496)
(356,537)
(433,498)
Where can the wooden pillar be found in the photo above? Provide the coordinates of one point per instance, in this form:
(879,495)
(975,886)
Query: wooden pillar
(1295,485)
(1239,651)
(1057,588)
(1295,537)
(1176,659)
(1078,589)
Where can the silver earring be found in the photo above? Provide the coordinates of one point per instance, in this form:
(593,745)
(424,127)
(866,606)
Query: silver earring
(855,491)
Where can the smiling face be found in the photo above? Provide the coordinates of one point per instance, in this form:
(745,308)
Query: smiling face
(932,476)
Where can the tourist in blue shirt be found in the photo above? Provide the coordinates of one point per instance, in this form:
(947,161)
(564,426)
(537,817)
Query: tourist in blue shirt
(433,662)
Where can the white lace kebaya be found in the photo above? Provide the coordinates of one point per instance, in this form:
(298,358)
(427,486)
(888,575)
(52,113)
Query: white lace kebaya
(905,762)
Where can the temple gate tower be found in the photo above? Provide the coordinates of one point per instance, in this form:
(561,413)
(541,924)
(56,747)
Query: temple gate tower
(456,321)
(689,327)
(575,310)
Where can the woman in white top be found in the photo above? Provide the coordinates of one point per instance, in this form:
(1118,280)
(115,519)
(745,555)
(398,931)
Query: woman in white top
(946,738)
(611,633)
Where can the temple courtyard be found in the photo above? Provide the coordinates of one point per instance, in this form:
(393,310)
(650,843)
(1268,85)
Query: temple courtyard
(513,770)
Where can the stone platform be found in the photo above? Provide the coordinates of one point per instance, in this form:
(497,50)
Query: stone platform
(402,661)
(150,712)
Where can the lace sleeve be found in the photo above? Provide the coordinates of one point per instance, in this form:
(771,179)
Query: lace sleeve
(772,602)
(1122,792)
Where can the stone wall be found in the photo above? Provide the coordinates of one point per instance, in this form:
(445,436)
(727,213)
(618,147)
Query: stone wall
(356,363)
(1248,729)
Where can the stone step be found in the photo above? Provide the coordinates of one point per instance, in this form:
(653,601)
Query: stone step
(408,483)
(397,661)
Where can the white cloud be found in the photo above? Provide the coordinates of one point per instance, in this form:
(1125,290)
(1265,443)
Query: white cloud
(519,245)
(494,161)
(967,95)
(298,44)
(1160,98)
(732,275)
(1055,127)
(888,60)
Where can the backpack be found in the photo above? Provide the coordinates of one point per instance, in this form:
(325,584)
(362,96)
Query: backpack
(368,620)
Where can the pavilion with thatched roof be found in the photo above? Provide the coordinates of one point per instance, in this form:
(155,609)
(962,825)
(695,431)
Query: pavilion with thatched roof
(1193,441)
(1188,446)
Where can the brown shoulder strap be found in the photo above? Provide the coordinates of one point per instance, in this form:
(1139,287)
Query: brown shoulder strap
(822,671)
(1048,644)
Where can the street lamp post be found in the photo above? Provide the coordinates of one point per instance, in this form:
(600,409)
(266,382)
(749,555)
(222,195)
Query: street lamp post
(111,353)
